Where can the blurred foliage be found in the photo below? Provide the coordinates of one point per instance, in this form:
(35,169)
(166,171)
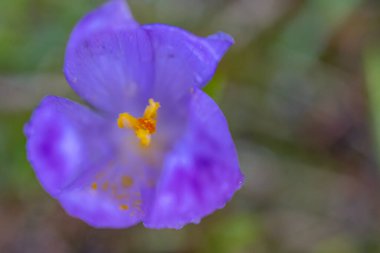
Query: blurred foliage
(300,89)
(372,63)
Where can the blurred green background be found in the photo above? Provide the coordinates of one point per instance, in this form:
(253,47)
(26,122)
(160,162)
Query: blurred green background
(300,89)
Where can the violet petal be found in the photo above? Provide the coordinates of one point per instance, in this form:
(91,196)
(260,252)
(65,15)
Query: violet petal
(200,174)
(63,141)
(109,60)
(183,60)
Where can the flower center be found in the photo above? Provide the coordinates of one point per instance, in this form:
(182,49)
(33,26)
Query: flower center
(145,126)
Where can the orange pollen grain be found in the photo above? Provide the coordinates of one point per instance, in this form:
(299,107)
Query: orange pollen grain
(124,207)
(126,181)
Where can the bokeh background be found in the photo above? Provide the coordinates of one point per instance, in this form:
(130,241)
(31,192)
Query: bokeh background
(300,89)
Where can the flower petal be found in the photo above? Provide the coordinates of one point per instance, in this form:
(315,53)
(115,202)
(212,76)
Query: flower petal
(183,60)
(112,15)
(114,196)
(102,201)
(109,60)
(75,156)
(63,141)
(200,174)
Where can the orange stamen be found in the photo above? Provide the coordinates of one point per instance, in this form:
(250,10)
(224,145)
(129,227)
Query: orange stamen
(145,126)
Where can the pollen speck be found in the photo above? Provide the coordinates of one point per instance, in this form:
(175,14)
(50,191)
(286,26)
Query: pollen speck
(126,181)
(94,186)
(122,196)
(105,186)
(137,203)
(124,207)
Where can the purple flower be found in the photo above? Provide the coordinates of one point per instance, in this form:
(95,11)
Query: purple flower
(153,147)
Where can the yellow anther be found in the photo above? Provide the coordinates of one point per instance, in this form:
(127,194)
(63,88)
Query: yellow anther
(151,109)
(145,126)
(94,186)
(144,136)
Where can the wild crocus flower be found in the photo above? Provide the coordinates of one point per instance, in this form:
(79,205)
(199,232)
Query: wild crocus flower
(152,147)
